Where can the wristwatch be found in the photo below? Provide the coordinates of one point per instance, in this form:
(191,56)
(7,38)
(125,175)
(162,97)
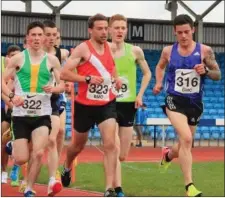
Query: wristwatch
(88,79)
(11,95)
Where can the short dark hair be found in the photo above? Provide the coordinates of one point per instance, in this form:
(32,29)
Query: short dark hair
(13,48)
(49,23)
(183,19)
(34,25)
(97,17)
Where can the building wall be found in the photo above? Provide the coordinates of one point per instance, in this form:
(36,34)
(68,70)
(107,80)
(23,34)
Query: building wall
(148,34)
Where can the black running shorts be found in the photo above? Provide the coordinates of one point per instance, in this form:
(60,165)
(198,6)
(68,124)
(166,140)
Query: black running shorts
(86,116)
(190,108)
(23,126)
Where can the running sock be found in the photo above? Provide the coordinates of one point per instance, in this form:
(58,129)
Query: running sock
(27,189)
(67,169)
(187,186)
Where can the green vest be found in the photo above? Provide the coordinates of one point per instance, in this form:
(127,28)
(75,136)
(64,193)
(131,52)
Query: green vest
(126,69)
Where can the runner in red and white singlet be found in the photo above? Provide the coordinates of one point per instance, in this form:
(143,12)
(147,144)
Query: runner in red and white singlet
(95,101)
(101,66)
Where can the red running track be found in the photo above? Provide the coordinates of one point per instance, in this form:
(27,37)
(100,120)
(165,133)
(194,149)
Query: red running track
(94,154)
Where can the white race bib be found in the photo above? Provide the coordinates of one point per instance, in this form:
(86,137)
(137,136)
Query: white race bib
(33,104)
(99,92)
(124,91)
(187,81)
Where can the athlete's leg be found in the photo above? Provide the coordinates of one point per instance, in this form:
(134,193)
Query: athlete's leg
(125,135)
(180,123)
(75,147)
(40,142)
(117,183)
(61,134)
(108,129)
(53,158)
(4,156)
(174,151)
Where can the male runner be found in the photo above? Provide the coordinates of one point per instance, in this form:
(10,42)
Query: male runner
(50,31)
(6,116)
(33,70)
(127,57)
(188,64)
(95,102)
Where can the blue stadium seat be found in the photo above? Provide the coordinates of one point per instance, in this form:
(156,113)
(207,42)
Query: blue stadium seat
(218,106)
(222,136)
(197,136)
(221,112)
(208,105)
(171,136)
(212,111)
(206,135)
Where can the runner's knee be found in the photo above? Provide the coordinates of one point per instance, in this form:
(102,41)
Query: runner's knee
(186,140)
(20,159)
(109,146)
(38,154)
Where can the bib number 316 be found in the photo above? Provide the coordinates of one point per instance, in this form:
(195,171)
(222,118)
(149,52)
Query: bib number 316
(187,81)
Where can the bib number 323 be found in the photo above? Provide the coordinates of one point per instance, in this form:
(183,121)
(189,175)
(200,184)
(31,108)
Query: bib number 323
(187,81)
(98,92)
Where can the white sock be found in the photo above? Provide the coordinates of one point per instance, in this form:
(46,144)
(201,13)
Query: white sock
(27,189)
(51,179)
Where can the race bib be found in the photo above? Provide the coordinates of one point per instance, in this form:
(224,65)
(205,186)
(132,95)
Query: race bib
(187,81)
(33,105)
(99,92)
(124,91)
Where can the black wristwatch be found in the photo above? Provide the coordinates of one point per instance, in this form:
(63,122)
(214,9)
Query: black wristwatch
(11,95)
(88,79)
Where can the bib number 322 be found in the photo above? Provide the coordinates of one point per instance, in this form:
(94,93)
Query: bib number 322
(32,105)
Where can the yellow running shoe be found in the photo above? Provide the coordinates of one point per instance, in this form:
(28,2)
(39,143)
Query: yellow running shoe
(193,192)
(164,165)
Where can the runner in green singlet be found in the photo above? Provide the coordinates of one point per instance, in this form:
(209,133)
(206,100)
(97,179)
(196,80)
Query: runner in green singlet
(33,71)
(127,57)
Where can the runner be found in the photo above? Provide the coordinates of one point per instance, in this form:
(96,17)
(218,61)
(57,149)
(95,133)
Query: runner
(58,102)
(95,102)
(33,70)
(188,65)
(127,57)
(6,115)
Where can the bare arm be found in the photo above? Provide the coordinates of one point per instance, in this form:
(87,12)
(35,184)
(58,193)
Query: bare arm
(60,84)
(210,62)
(161,66)
(140,59)
(67,72)
(9,73)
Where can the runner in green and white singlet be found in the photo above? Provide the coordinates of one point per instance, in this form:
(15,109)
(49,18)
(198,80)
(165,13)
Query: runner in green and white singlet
(33,70)
(126,58)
